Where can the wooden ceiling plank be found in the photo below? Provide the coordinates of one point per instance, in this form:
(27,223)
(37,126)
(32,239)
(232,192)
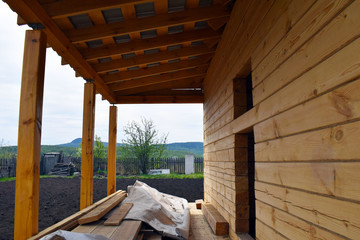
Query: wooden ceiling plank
(193,82)
(148,23)
(216,24)
(159,99)
(129,13)
(172,92)
(190,26)
(60,43)
(163,68)
(151,58)
(146,44)
(141,82)
(161,7)
(66,8)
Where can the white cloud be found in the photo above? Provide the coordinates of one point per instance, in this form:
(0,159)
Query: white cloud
(63,98)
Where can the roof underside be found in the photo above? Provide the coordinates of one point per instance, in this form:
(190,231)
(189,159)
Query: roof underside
(136,51)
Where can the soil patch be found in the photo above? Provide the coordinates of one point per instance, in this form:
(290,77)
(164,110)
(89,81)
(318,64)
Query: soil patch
(60,197)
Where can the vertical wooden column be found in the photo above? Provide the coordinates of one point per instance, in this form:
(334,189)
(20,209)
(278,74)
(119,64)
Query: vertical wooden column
(29,137)
(111,184)
(87,152)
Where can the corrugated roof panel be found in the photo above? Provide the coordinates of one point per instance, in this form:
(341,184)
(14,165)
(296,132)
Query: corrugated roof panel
(148,34)
(176,29)
(81,21)
(174,47)
(205,3)
(102,60)
(150,51)
(197,43)
(176,5)
(113,15)
(94,43)
(133,68)
(153,64)
(174,60)
(128,55)
(145,9)
(122,38)
(201,25)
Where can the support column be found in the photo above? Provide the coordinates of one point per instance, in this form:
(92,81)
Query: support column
(87,148)
(29,136)
(111,184)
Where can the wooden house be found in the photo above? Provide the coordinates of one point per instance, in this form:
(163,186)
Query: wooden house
(278,79)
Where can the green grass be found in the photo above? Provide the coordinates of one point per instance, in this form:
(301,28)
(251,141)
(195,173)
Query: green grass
(142,176)
(164,176)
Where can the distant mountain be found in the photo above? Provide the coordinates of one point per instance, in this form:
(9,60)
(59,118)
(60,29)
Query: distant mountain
(189,147)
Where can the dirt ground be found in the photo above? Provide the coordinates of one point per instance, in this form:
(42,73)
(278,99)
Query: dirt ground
(60,197)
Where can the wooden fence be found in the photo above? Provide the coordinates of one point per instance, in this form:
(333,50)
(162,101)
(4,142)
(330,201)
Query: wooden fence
(129,166)
(8,167)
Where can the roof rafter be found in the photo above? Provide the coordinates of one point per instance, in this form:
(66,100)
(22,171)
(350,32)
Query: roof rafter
(146,44)
(173,92)
(159,99)
(31,9)
(145,24)
(192,82)
(179,75)
(163,68)
(66,8)
(151,58)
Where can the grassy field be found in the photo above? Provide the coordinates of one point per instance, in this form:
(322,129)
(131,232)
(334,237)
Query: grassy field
(142,176)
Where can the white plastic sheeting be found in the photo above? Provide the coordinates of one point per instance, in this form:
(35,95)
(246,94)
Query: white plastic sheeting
(73,236)
(167,214)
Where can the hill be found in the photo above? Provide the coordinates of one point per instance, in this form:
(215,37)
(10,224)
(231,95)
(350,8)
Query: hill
(70,149)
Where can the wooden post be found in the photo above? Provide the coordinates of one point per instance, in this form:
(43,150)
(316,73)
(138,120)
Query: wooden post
(111,184)
(29,137)
(87,150)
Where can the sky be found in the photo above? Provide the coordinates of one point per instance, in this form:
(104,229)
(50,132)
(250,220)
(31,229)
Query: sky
(63,99)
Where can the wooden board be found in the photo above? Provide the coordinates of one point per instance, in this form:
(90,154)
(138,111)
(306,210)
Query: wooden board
(216,221)
(321,46)
(335,107)
(29,136)
(111,178)
(119,214)
(128,230)
(320,210)
(87,146)
(264,232)
(72,219)
(101,210)
(198,203)
(290,226)
(337,179)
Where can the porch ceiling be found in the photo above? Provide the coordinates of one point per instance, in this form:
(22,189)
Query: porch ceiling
(135,51)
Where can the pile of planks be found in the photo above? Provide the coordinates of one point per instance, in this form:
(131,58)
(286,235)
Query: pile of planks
(91,220)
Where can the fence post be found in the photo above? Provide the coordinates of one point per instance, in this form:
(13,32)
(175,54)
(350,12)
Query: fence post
(189,164)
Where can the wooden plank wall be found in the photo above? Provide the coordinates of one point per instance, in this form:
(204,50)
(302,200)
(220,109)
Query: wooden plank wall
(303,56)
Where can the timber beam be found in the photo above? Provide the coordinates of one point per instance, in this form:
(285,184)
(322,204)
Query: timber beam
(145,24)
(179,75)
(147,44)
(151,58)
(159,99)
(145,72)
(111,177)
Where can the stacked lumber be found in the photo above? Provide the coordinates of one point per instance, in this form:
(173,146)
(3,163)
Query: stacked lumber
(216,221)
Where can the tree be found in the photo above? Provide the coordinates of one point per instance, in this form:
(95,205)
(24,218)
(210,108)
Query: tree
(143,142)
(99,151)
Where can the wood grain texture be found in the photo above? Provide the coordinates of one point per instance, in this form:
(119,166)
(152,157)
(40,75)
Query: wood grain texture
(144,24)
(102,209)
(320,47)
(313,208)
(111,176)
(119,214)
(291,226)
(87,148)
(29,136)
(71,219)
(338,179)
(128,230)
(216,221)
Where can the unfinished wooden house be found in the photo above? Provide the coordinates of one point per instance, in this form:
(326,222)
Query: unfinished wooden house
(278,79)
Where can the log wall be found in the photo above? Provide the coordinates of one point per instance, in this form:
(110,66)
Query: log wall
(305,65)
